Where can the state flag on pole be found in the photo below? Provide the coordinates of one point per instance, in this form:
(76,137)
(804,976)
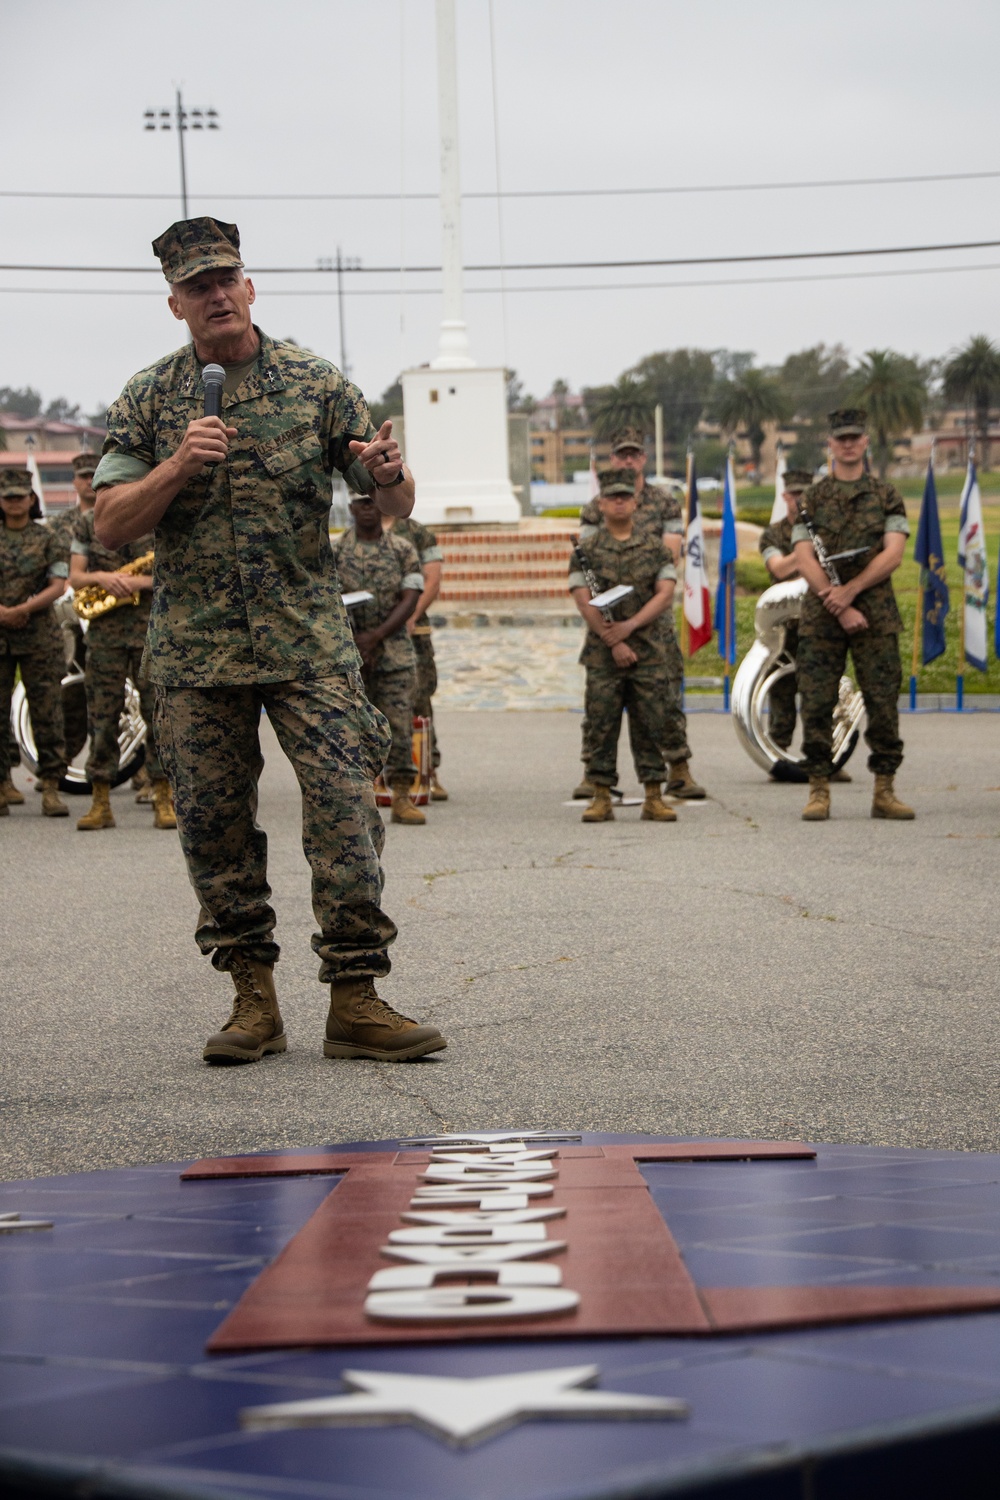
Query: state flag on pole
(973,562)
(697,600)
(928,551)
(725,594)
(779,510)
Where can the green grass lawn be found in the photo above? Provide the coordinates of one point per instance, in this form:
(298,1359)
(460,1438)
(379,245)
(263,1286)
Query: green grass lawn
(939,677)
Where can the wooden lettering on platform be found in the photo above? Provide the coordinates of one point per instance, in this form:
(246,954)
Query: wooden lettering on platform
(434,1246)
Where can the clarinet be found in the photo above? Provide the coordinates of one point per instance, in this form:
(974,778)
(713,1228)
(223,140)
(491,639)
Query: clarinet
(822,556)
(590,578)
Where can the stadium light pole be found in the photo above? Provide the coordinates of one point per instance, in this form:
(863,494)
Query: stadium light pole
(181,120)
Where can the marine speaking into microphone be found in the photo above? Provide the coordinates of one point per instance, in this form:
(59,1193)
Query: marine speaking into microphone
(247,616)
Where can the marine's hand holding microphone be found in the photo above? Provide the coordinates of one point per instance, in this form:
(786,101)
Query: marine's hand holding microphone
(207,439)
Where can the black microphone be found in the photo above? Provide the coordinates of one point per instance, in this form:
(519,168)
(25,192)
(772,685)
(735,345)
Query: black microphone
(214,377)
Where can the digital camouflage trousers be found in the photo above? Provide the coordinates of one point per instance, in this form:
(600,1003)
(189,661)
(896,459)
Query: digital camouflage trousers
(108,665)
(42,666)
(821,661)
(210,744)
(674,745)
(639,691)
(427,681)
(392,692)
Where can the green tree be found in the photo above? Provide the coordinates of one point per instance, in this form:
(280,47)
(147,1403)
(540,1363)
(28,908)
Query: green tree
(389,404)
(752,400)
(627,403)
(972,376)
(25,402)
(681,381)
(518,399)
(893,390)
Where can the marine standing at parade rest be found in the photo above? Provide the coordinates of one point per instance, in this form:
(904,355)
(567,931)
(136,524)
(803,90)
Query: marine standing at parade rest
(115,644)
(387,566)
(419,630)
(659,513)
(247,615)
(32,577)
(777,551)
(63,526)
(846,510)
(626,660)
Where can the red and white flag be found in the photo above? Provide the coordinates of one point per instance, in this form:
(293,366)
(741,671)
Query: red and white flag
(697,599)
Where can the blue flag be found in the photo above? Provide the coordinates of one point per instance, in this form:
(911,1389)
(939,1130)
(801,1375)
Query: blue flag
(725,594)
(929,553)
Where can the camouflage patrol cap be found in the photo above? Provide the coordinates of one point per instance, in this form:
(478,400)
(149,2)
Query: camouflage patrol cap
(796,480)
(626,438)
(616,482)
(84,463)
(15,481)
(849,421)
(194,245)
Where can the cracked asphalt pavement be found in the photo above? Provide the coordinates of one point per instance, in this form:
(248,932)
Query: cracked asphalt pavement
(740,973)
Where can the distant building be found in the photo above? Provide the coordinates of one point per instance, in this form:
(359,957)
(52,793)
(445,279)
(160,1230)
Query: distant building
(54,445)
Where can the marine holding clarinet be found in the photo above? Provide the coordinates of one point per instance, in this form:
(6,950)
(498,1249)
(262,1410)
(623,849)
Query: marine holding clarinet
(247,614)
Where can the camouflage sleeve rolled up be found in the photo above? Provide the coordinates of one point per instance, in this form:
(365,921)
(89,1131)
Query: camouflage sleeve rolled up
(776,539)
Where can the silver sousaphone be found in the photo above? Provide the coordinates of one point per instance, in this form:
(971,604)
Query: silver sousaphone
(764,665)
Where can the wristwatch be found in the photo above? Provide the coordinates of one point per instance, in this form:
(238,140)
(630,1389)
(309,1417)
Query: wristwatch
(392,482)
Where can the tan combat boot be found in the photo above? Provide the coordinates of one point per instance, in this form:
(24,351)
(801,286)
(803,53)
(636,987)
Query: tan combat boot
(817,809)
(53,805)
(361,1024)
(600,810)
(4,809)
(100,814)
(255,1025)
(142,786)
(681,783)
(163,804)
(584,791)
(10,795)
(403,809)
(885,803)
(654,809)
(839,776)
(438,793)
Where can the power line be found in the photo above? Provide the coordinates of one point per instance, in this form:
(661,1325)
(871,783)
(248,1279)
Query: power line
(615,192)
(555,265)
(607,286)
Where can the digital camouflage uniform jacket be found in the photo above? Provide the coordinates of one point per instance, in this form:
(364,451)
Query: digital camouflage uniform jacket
(655,509)
(426,543)
(640,562)
(776,539)
(29,560)
(245,589)
(848,515)
(62,528)
(126,625)
(384,568)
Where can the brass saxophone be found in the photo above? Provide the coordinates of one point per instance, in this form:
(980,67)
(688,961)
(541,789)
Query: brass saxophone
(92,601)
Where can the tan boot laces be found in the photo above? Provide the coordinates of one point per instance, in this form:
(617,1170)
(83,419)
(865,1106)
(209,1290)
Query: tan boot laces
(249,1002)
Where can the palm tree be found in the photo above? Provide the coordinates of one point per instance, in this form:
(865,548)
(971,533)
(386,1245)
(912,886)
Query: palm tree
(750,401)
(627,403)
(894,393)
(972,376)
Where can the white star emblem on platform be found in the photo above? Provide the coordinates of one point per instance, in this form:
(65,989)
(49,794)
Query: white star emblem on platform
(14,1224)
(464,1412)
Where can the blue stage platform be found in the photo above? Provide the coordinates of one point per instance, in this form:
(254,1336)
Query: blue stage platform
(106,1389)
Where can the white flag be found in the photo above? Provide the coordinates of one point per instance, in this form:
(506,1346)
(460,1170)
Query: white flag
(975,570)
(36,481)
(779,510)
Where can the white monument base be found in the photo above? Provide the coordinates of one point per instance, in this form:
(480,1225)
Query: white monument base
(456,445)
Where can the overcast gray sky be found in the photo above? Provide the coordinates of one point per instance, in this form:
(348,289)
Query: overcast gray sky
(339,96)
